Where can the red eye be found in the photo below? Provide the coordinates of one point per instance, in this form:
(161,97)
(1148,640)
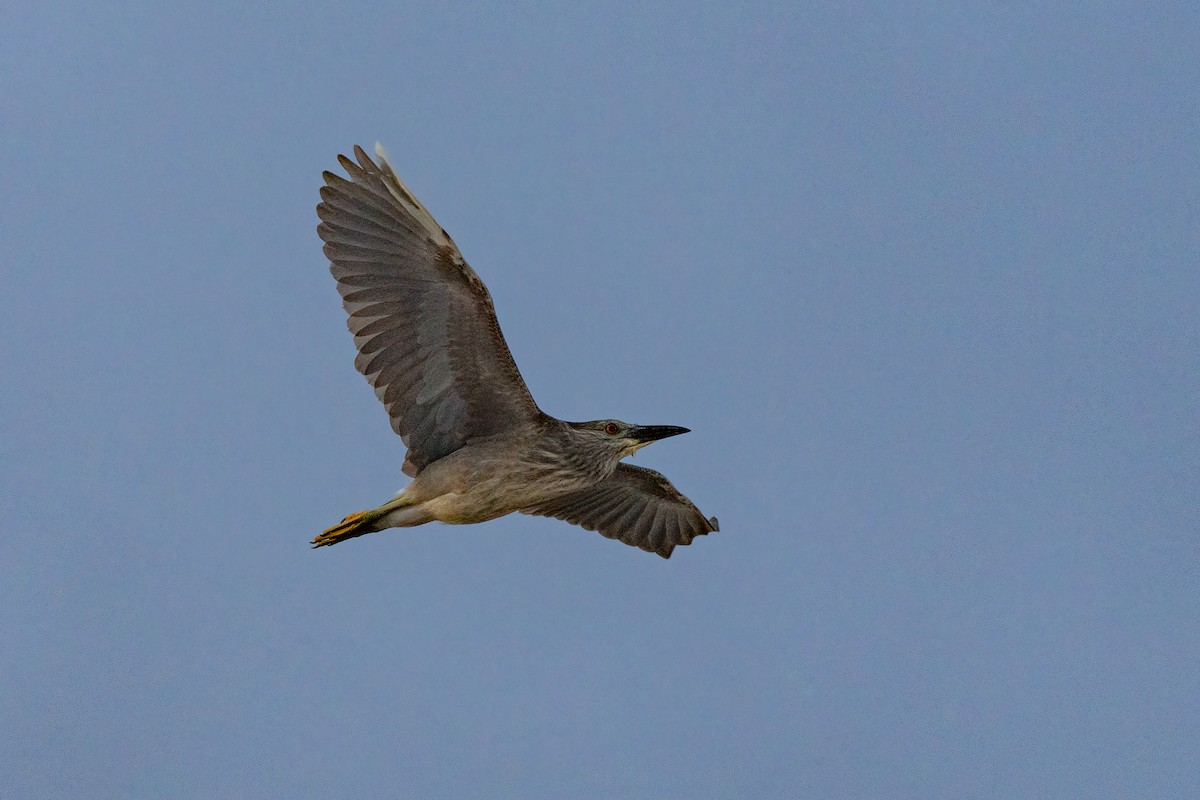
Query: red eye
(612,428)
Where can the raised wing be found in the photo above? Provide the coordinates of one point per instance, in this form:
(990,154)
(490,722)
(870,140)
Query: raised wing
(427,336)
(638,506)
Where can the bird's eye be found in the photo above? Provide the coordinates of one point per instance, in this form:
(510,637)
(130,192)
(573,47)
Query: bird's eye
(612,428)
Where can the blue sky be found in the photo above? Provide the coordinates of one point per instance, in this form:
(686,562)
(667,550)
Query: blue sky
(921,279)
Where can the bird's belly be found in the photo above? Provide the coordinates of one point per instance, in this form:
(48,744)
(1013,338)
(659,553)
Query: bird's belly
(487,500)
(464,509)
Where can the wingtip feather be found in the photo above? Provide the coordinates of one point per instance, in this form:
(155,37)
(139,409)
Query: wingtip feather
(382,153)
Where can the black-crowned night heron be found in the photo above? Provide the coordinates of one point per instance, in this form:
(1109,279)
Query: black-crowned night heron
(478,445)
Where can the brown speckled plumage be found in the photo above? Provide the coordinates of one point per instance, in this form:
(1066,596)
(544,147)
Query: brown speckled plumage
(478,445)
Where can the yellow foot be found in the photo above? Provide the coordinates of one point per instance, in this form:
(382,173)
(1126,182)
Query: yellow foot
(346,529)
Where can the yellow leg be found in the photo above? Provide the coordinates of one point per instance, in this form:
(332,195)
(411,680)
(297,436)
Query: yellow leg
(362,522)
(348,528)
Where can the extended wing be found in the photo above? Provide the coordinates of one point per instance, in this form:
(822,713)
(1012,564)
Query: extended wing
(638,506)
(427,336)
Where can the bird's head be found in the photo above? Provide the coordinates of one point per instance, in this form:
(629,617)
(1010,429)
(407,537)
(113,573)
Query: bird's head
(622,438)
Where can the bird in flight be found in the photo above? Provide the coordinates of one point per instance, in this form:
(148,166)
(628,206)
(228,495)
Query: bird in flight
(478,445)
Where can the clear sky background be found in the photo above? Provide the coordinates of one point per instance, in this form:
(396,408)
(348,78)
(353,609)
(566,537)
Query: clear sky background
(923,280)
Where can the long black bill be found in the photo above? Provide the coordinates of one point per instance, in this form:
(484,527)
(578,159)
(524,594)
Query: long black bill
(652,433)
